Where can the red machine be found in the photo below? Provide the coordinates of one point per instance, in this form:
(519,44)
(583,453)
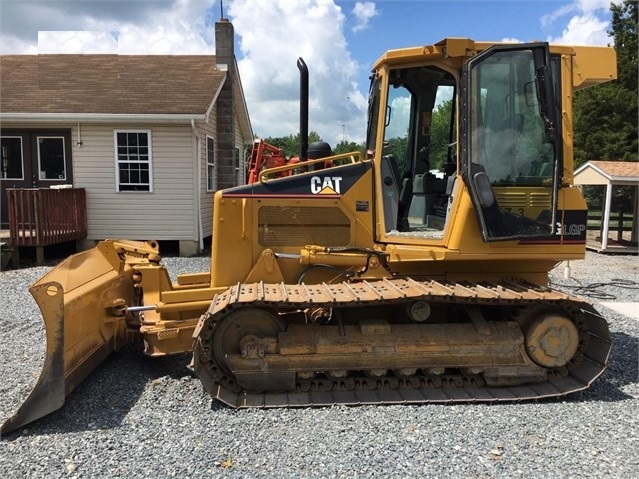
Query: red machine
(265,156)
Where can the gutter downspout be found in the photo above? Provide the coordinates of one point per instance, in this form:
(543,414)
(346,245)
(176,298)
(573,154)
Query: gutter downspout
(198,205)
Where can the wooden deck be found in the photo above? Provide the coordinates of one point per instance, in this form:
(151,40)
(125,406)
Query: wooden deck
(615,246)
(40,217)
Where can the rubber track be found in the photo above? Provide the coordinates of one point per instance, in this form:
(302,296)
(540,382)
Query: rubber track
(589,363)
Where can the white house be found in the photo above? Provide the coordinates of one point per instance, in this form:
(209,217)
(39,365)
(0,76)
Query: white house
(150,138)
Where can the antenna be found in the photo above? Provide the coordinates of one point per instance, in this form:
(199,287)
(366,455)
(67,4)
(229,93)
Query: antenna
(221,9)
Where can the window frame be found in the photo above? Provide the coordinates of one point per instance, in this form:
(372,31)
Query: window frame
(39,156)
(211,177)
(117,160)
(21,178)
(239,166)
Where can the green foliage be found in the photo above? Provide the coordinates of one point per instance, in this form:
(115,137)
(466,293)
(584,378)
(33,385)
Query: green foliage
(348,146)
(622,199)
(439,135)
(291,143)
(624,31)
(605,116)
(605,124)
(397,147)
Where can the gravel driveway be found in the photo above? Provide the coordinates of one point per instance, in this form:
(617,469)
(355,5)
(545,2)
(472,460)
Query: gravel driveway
(139,417)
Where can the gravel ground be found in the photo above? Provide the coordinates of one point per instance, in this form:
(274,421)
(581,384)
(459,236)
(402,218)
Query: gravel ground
(140,417)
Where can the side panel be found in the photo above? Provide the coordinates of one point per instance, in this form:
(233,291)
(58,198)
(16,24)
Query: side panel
(328,208)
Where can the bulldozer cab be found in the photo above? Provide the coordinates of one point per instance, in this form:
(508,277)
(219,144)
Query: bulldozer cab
(488,120)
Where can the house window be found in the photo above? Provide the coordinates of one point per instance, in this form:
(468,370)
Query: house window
(239,167)
(11,162)
(51,158)
(133,160)
(210,164)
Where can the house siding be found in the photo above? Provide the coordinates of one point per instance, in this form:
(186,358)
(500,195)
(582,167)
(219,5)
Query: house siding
(590,176)
(206,197)
(167,213)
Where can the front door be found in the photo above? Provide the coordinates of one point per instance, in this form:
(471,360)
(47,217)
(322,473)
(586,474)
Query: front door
(33,159)
(511,141)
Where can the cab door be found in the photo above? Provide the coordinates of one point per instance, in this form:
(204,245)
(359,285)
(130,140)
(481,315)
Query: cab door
(510,141)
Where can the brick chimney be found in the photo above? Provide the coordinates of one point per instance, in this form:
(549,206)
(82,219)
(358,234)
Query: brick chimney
(225,55)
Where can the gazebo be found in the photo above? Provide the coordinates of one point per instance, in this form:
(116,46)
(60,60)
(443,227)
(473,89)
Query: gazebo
(610,174)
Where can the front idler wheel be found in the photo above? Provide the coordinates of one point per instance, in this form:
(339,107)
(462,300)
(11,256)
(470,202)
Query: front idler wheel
(552,340)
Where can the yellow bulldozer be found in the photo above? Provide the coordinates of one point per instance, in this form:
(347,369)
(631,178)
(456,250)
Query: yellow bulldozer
(369,279)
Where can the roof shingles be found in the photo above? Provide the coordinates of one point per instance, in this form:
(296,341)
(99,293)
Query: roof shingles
(108,84)
(618,169)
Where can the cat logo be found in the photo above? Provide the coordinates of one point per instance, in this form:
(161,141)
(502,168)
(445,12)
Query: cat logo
(329,185)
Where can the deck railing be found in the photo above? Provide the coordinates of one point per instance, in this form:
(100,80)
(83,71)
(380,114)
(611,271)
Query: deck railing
(42,216)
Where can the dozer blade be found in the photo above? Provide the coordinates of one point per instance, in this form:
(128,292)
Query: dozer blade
(82,301)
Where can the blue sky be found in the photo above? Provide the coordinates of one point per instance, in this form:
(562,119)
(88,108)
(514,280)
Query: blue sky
(339,40)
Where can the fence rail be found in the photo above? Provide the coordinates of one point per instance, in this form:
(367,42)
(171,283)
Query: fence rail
(41,216)
(617,223)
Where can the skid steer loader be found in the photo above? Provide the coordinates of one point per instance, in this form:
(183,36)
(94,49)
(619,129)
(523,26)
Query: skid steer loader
(366,279)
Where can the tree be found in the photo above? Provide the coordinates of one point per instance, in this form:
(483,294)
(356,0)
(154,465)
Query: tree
(348,146)
(624,31)
(440,135)
(398,148)
(291,143)
(605,116)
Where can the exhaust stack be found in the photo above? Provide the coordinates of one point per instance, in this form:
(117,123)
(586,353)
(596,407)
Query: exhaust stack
(303,109)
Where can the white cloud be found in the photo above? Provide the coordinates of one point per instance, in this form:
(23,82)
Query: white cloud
(313,30)
(13,44)
(161,41)
(363,12)
(587,26)
(115,26)
(584,30)
(272,35)
(587,6)
(583,7)
(127,40)
(550,18)
(76,42)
